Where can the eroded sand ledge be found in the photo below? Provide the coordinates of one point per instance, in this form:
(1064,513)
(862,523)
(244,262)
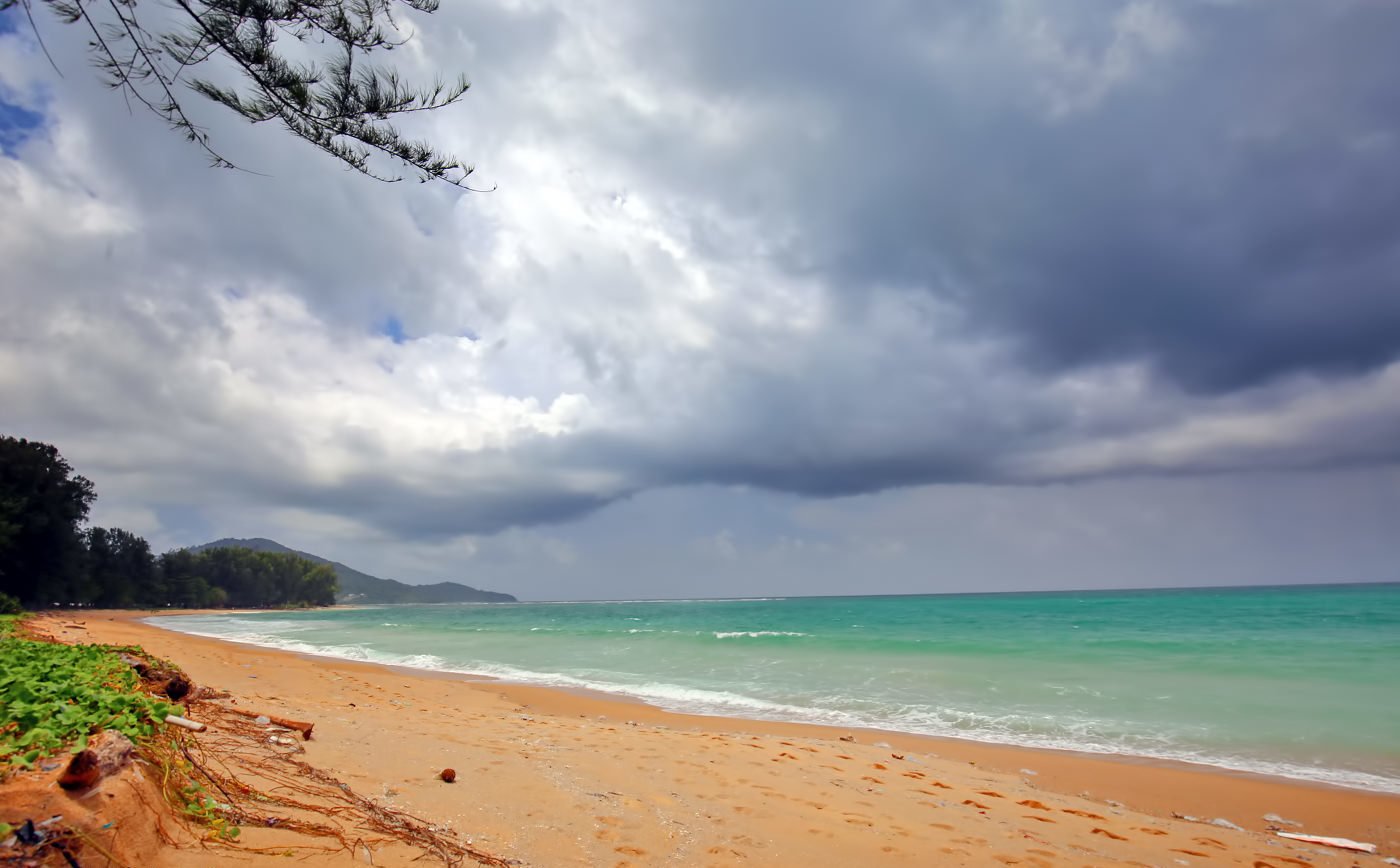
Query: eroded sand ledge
(550,778)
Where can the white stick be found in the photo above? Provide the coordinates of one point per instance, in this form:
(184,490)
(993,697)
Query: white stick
(174,720)
(1341,843)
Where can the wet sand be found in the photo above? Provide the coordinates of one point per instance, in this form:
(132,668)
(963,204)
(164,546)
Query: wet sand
(552,777)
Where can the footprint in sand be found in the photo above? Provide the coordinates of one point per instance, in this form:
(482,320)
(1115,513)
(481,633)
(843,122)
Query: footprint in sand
(1032,803)
(1150,831)
(881,766)
(1210,842)
(1108,834)
(1088,815)
(977,805)
(992,793)
(1038,819)
(630,851)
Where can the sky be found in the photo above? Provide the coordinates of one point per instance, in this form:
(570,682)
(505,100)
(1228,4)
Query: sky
(777,298)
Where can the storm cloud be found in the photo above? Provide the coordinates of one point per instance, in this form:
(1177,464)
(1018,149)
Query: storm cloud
(793,252)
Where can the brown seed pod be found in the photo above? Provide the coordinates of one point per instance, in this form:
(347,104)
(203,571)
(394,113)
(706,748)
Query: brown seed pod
(82,772)
(448,775)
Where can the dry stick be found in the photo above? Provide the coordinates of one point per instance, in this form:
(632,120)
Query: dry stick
(299,725)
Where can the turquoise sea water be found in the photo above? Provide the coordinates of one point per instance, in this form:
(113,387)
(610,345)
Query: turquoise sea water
(1301,681)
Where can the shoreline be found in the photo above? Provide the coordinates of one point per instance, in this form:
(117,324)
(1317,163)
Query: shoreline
(1116,789)
(620,696)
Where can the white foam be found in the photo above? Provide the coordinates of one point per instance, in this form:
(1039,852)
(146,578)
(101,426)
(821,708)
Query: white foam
(755,634)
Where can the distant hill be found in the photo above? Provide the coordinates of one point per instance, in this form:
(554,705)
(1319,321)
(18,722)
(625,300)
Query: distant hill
(358,587)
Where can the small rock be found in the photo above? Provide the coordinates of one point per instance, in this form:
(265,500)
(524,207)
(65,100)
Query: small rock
(448,775)
(262,720)
(848,738)
(1226,824)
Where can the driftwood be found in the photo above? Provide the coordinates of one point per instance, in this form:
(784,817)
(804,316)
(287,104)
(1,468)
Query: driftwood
(1340,843)
(176,720)
(300,726)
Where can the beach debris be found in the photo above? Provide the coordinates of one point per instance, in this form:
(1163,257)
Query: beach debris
(300,726)
(848,738)
(106,753)
(1187,817)
(1275,818)
(1031,772)
(1226,824)
(185,722)
(173,684)
(448,775)
(282,740)
(1339,843)
(176,687)
(136,663)
(1391,860)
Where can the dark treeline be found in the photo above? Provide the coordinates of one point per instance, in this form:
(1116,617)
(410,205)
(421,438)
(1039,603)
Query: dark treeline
(47,558)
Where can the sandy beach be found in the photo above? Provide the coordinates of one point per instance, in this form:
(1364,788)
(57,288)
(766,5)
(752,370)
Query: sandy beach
(548,777)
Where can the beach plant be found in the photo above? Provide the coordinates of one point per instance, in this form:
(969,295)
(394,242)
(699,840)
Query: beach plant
(55,696)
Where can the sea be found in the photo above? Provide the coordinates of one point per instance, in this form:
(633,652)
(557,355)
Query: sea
(1302,682)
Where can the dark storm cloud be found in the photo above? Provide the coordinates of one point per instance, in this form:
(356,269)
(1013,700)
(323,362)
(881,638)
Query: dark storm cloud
(1221,202)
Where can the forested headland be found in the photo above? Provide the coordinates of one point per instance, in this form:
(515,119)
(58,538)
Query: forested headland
(48,557)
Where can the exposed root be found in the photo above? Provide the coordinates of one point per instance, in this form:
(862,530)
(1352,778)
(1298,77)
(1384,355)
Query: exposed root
(289,793)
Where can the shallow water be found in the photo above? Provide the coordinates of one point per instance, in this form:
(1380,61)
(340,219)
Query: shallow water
(1298,681)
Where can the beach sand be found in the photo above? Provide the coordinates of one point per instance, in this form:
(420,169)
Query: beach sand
(551,778)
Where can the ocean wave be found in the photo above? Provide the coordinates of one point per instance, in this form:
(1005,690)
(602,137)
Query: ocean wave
(1023,729)
(756,634)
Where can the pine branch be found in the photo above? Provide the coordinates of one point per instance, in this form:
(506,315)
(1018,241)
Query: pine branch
(336,101)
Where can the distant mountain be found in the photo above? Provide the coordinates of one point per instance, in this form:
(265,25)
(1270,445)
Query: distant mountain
(358,587)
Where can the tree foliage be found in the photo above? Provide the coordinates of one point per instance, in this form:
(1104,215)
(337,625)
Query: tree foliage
(307,64)
(47,558)
(42,506)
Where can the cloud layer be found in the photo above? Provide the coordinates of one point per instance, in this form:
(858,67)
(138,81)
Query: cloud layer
(808,249)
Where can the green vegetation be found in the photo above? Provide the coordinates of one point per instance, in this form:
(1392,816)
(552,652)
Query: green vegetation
(48,559)
(54,696)
(358,587)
